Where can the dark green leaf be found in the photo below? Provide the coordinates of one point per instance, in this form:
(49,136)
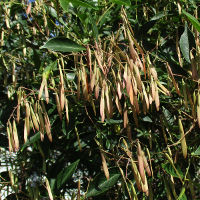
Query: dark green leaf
(193,20)
(62,45)
(122,2)
(100,184)
(66,174)
(170,170)
(32,140)
(184,44)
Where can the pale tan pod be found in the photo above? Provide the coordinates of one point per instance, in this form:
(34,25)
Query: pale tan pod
(145,97)
(42,124)
(62,97)
(105,167)
(2,37)
(48,126)
(153,90)
(34,118)
(25,131)
(97,91)
(125,115)
(118,104)
(146,165)
(15,136)
(41,88)
(48,189)
(102,105)
(183,141)
(107,98)
(137,77)
(46,92)
(140,162)
(198,108)
(67,110)
(58,106)
(134,84)
(145,187)
(9,139)
(157,100)
(154,73)
(89,60)
(173,80)
(164,89)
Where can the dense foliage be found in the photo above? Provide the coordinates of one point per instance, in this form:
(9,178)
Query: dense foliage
(100,99)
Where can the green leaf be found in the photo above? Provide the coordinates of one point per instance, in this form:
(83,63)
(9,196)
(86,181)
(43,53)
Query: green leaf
(184,44)
(32,140)
(159,16)
(182,195)
(62,45)
(65,4)
(170,170)
(122,2)
(193,20)
(49,69)
(66,174)
(197,152)
(100,184)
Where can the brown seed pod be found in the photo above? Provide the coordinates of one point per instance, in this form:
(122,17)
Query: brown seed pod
(146,165)
(140,162)
(105,167)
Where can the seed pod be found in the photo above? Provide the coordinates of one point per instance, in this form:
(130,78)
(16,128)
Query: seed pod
(58,106)
(34,118)
(41,88)
(48,126)
(67,110)
(198,108)
(46,91)
(157,100)
(62,97)
(125,115)
(10,142)
(15,136)
(183,141)
(42,124)
(102,106)
(140,162)
(146,165)
(105,167)
(48,189)
(26,129)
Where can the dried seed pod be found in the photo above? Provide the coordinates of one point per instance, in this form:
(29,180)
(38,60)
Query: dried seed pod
(67,110)
(154,73)
(48,189)
(62,97)
(58,106)
(41,87)
(157,100)
(140,162)
(48,126)
(105,167)
(146,165)
(102,105)
(46,91)
(15,136)
(34,118)
(10,140)
(125,115)
(183,141)
(42,123)
(198,108)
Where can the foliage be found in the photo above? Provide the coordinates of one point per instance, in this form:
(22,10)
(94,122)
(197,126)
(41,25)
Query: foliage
(100,99)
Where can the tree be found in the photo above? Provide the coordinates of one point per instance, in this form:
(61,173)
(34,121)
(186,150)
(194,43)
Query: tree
(100,99)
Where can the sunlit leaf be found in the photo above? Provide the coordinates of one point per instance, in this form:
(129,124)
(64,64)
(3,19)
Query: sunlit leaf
(197,152)
(184,44)
(62,45)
